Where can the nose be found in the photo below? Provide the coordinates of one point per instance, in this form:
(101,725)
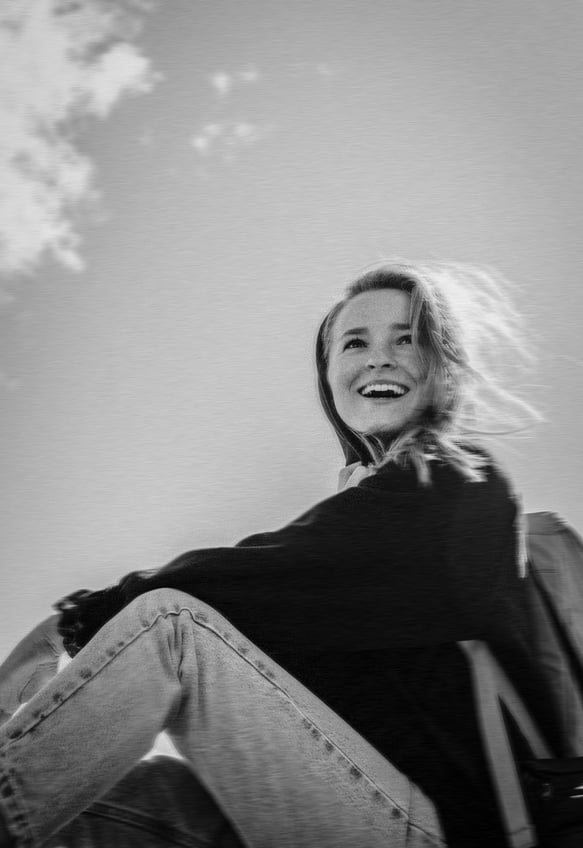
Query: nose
(381,357)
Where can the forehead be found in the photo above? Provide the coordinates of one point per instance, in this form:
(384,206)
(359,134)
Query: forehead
(376,309)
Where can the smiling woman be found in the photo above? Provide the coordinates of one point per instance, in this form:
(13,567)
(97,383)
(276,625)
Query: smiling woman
(374,370)
(311,675)
(417,356)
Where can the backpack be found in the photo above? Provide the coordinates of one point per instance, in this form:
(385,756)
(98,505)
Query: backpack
(555,557)
(541,799)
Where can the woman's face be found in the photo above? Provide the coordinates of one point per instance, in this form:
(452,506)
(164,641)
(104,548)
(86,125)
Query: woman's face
(374,371)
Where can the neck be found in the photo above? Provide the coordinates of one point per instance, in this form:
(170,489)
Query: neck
(379,444)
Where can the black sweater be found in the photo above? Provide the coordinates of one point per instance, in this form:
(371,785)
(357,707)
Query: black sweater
(363,599)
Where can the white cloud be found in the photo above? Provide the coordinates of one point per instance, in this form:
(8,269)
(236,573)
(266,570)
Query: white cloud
(203,141)
(120,68)
(227,139)
(247,133)
(200,143)
(59,60)
(248,75)
(223,82)
(212,130)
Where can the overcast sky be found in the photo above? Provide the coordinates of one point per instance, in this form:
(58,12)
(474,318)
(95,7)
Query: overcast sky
(188,185)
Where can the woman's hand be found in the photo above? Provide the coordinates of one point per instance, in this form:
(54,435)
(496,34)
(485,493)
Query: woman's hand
(85,612)
(31,664)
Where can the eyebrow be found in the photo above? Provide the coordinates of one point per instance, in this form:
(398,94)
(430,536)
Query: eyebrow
(358,331)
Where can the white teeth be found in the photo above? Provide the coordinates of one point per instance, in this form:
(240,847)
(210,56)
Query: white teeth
(383,387)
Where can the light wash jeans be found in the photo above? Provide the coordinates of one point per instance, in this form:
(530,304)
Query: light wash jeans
(159,804)
(282,767)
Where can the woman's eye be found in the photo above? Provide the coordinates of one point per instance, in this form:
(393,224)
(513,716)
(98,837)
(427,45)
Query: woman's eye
(351,342)
(407,339)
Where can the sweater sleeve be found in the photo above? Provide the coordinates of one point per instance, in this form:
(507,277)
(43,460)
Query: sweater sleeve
(370,567)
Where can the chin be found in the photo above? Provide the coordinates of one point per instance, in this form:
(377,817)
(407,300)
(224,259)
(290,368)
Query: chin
(386,430)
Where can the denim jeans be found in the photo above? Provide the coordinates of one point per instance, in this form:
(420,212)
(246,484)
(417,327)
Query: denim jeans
(278,764)
(159,804)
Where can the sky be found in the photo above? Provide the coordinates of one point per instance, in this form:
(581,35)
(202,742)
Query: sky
(187,187)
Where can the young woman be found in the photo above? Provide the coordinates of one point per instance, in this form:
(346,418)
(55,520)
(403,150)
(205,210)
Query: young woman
(342,691)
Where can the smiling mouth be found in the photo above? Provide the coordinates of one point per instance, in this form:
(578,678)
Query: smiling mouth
(383,391)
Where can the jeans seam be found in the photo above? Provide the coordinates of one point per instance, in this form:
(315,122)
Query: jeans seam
(201,619)
(89,674)
(306,720)
(15,810)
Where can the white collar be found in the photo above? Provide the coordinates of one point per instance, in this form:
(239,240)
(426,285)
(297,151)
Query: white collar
(351,475)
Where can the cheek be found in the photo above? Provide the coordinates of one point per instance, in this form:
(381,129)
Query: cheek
(339,388)
(335,376)
(337,392)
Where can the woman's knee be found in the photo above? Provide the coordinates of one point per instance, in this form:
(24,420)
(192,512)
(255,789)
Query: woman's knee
(166,601)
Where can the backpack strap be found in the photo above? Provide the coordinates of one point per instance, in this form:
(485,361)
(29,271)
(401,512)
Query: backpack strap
(491,687)
(555,591)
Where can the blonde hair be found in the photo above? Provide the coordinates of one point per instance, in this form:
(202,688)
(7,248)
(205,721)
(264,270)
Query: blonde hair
(473,347)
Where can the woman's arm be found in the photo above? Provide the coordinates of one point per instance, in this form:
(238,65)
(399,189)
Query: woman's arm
(31,664)
(369,568)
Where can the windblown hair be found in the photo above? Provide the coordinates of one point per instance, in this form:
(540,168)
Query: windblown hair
(471,342)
